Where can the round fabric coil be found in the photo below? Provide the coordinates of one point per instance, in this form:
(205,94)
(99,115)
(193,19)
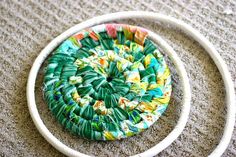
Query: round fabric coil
(107,82)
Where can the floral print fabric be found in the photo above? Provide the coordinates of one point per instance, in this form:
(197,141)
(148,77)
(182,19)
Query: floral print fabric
(107,82)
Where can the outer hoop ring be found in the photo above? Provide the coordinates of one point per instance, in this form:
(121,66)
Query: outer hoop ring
(230,97)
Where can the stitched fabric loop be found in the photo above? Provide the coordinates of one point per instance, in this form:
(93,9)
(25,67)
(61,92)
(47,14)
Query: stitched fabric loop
(107,82)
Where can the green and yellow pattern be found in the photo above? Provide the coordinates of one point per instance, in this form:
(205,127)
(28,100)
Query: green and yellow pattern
(107,82)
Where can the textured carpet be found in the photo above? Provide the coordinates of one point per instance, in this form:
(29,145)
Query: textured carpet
(28,26)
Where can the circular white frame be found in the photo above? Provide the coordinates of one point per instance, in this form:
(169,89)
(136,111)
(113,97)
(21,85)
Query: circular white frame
(71,152)
(230,97)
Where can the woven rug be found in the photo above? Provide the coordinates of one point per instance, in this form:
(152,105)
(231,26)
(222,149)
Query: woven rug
(28,26)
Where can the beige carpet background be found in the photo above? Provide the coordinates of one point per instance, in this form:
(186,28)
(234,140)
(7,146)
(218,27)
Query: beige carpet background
(26,27)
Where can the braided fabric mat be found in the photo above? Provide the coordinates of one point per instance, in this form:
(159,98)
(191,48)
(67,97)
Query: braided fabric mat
(107,82)
(28,26)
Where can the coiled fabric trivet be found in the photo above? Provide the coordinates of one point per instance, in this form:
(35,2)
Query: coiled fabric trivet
(107,82)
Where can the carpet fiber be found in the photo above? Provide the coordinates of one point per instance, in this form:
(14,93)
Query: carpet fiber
(28,26)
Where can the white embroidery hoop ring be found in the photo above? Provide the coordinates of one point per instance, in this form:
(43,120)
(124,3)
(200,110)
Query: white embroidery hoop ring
(230,97)
(71,152)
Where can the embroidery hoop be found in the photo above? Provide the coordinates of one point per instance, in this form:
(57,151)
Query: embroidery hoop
(230,96)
